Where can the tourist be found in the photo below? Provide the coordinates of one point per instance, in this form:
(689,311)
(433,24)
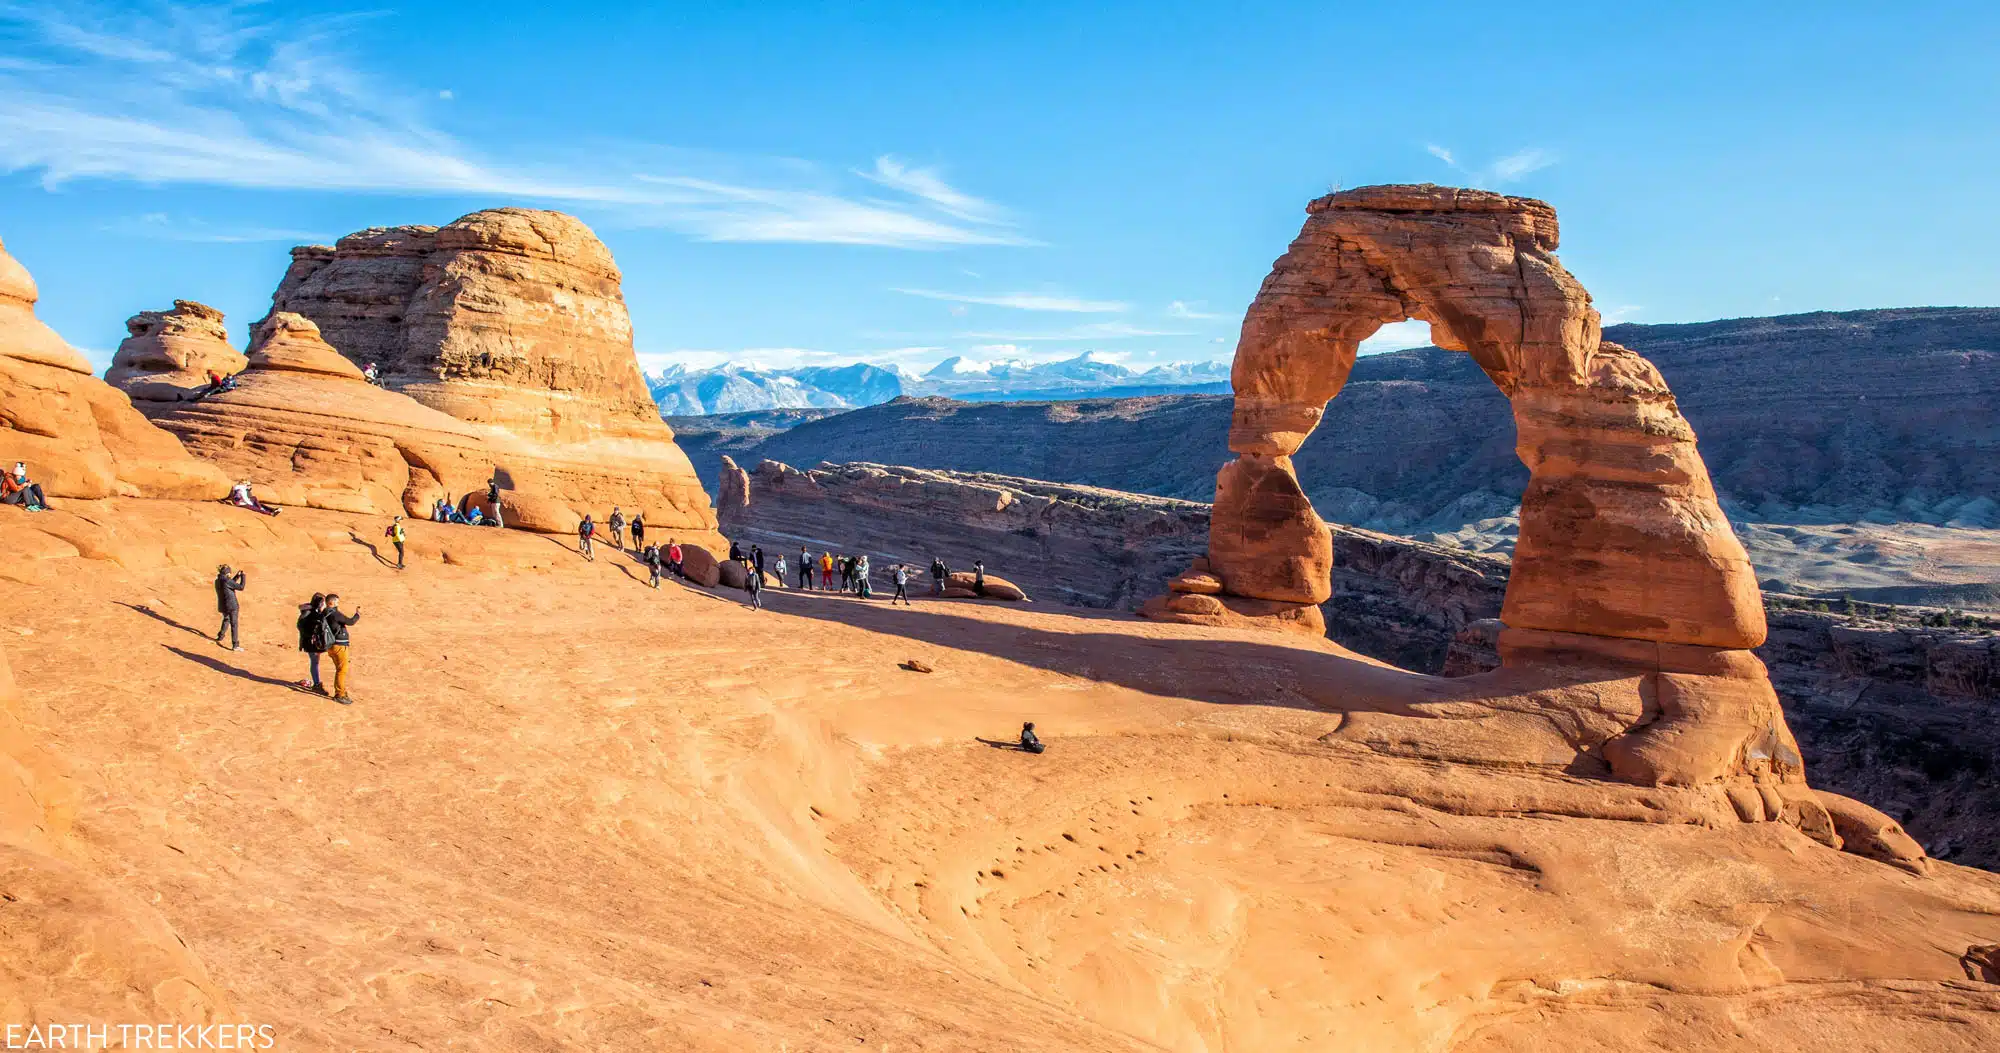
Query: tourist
(805,569)
(638,527)
(651,555)
(396,537)
(755,583)
(757,557)
(438,512)
(778,571)
(825,571)
(902,576)
(312,639)
(217,384)
(583,532)
(979,577)
(1030,742)
(372,375)
(846,572)
(16,489)
(617,525)
(227,585)
(862,586)
(735,552)
(241,497)
(674,558)
(938,574)
(337,624)
(474,518)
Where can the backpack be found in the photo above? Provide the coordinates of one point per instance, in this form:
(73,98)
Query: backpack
(314,630)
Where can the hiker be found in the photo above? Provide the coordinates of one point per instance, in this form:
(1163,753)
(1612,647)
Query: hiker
(217,384)
(846,564)
(396,537)
(241,497)
(938,574)
(805,569)
(16,489)
(902,576)
(337,624)
(474,518)
(757,557)
(735,552)
(638,527)
(862,586)
(651,555)
(371,374)
(979,577)
(825,571)
(494,520)
(226,588)
(778,571)
(312,639)
(674,558)
(1030,742)
(755,584)
(583,532)
(617,525)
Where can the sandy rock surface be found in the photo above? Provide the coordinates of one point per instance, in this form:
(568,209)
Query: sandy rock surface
(169,354)
(1237,839)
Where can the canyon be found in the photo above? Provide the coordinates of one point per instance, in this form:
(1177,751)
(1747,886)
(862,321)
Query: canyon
(568,809)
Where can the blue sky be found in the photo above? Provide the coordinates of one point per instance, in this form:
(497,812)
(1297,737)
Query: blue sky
(809,183)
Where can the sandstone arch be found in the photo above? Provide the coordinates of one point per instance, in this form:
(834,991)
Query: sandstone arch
(1625,559)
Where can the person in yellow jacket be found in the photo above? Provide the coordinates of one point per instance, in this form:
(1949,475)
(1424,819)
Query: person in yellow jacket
(825,571)
(397,537)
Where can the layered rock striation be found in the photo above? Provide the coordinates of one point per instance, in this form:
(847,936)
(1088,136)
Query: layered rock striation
(511,331)
(79,436)
(169,354)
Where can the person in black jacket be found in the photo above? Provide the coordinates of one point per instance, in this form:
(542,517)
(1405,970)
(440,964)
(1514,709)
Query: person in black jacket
(938,574)
(757,557)
(337,624)
(584,530)
(1030,742)
(226,588)
(654,562)
(312,638)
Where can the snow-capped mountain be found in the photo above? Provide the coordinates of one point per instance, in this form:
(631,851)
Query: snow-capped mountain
(737,388)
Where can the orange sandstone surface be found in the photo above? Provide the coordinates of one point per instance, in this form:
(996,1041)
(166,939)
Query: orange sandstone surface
(569,811)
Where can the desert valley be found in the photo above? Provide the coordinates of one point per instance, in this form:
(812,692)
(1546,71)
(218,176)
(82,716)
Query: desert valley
(1449,769)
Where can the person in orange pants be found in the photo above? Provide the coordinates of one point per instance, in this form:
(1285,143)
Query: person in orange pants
(825,571)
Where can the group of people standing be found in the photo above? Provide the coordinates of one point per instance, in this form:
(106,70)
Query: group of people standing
(586,532)
(322,629)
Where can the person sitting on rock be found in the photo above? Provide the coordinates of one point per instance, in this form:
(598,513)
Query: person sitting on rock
(584,531)
(1030,742)
(371,375)
(617,525)
(473,518)
(241,497)
(217,384)
(735,552)
(17,489)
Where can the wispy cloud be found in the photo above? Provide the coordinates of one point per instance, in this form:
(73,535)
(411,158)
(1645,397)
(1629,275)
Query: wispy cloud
(1093,331)
(1023,301)
(1191,311)
(228,95)
(1505,170)
(1397,336)
(162,227)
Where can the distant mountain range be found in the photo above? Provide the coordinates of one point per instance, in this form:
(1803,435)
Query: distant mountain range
(680,391)
(1864,416)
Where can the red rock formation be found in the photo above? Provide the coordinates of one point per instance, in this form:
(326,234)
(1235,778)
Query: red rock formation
(511,318)
(80,436)
(1625,561)
(170,353)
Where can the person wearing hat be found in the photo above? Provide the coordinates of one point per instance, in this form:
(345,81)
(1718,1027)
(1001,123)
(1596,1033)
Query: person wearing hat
(227,585)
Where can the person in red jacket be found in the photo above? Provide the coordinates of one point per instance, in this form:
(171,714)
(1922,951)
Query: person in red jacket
(15,489)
